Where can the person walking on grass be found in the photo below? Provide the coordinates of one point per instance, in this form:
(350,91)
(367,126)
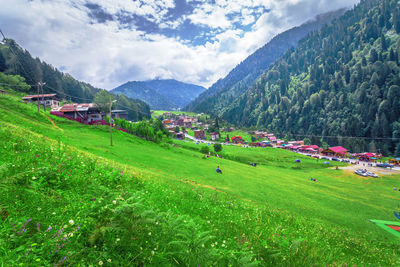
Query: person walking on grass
(218,170)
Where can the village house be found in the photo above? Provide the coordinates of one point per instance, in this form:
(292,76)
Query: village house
(121,114)
(180,135)
(296,143)
(200,134)
(214,136)
(86,113)
(312,149)
(187,125)
(258,134)
(180,122)
(48,100)
(336,151)
(367,156)
(167,114)
(237,140)
(167,122)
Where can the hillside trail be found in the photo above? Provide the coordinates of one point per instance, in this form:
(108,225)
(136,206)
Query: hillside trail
(52,122)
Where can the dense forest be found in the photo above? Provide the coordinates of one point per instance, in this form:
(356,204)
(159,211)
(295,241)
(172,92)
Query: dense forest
(340,82)
(226,90)
(15,60)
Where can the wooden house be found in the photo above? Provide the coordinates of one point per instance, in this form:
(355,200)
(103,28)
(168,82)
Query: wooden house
(87,113)
(237,140)
(215,136)
(336,151)
(200,134)
(48,100)
(187,125)
(121,114)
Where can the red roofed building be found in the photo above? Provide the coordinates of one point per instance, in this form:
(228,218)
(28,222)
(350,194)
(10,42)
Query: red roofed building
(199,134)
(87,113)
(48,100)
(337,151)
(237,140)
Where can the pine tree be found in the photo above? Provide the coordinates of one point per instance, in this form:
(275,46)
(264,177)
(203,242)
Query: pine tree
(3,65)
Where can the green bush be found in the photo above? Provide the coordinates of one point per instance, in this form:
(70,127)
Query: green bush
(217,147)
(204,149)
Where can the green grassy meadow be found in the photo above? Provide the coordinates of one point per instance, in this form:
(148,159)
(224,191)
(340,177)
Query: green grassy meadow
(167,206)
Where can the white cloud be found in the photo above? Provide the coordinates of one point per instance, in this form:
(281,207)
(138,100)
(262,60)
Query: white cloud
(107,55)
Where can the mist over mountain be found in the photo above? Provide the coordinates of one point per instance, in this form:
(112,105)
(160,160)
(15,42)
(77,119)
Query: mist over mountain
(161,94)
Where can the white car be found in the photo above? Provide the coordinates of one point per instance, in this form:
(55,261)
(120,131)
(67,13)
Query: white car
(372,174)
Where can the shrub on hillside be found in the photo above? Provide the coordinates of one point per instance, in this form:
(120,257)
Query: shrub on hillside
(204,149)
(217,147)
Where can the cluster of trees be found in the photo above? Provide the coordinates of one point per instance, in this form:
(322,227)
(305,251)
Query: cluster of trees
(14,60)
(152,129)
(341,81)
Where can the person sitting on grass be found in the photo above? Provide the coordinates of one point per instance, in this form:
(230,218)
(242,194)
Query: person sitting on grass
(218,170)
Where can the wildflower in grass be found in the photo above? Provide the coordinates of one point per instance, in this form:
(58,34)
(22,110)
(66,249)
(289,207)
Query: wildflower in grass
(71,234)
(100,263)
(37,156)
(94,199)
(117,240)
(149,233)
(114,202)
(109,260)
(71,222)
(54,213)
(33,178)
(48,229)
(38,227)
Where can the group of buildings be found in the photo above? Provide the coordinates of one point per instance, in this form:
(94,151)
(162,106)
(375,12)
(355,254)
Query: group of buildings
(85,113)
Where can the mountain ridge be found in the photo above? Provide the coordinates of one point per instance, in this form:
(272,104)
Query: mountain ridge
(227,89)
(161,94)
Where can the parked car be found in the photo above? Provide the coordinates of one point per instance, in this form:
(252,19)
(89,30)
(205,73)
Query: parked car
(361,172)
(346,160)
(315,156)
(335,159)
(384,165)
(325,158)
(372,174)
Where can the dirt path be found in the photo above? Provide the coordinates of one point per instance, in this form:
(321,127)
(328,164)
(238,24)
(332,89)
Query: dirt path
(52,122)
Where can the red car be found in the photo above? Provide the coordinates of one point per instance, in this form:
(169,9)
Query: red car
(315,156)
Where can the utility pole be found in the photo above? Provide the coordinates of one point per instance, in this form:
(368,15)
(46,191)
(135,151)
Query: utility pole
(38,97)
(40,85)
(111,120)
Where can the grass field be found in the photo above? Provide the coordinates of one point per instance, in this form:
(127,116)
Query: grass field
(271,214)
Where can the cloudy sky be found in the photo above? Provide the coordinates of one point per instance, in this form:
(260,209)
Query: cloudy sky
(107,43)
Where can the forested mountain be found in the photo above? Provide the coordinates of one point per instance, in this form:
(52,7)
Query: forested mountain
(15,60)
(226,90)
(341,81)
(161,94)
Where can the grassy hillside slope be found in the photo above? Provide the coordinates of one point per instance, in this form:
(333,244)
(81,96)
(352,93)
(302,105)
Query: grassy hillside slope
(141,203)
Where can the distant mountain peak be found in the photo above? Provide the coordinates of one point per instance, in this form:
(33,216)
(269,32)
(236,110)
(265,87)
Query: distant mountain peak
(161,94)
